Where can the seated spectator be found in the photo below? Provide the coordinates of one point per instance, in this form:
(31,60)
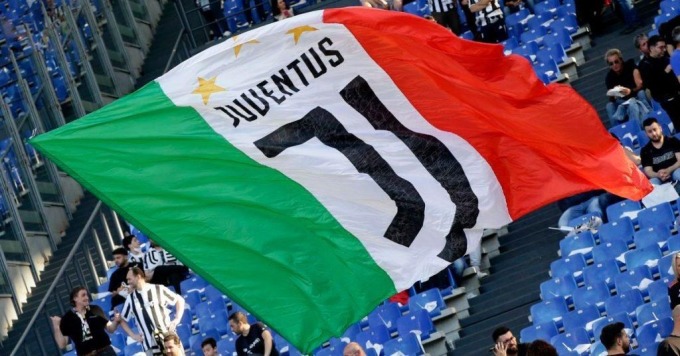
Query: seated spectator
(252,339)
(281,10)
(209,347)
(117,282)
(579,205)
(134,247)
(640,42)
(674,287)
(627,99)
(658,77)
(172,344)
(163,268)
(661,155)
(615,339)
(670,346)
(353,349)
(541,348)
(512,6)
(666,31)
(506,343)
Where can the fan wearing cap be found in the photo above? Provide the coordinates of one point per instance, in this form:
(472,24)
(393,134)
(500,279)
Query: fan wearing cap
(615,339)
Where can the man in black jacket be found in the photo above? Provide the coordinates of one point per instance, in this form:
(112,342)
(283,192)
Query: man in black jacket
(658,77)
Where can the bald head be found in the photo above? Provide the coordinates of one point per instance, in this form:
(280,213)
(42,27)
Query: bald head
(353,349)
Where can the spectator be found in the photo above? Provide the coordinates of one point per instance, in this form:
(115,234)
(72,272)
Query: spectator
(670,346)
(541,348)
(630,16)
(489,20)
(579,205)
(470,20)
(506,343)
(281,10)
(661,155)
(252,339)
(117,285)
(353,349)
(512,6)
(675,55)
(211,10)
(445,12)
(624,85)
(209,347)
(163,268)
(147,303)
(589,13)
(666,31)
(172,345)
(615,339)
(641,44)
(85,325)
(383,4)
(259,6)
(674,288)
(134,248)
(658,77)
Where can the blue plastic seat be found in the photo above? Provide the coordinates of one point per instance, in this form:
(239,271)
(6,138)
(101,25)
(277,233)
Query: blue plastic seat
(133,349)
(579,317)
(192,298)
(651,333)
(626,302)
(430,300)
(538,332)
(648,236)
(193,283)
(104,303)
(202,310)
(599,324)
(583,241)
(228,346)
(184,333)
(517,18)
(615,210)
(533,35)
(601,272)
(673,244)
(617,230)
(583,219)
(661,214)
(548,67)
(641,257)
(567,342)
(658,290)
(648,350)
(666,265)
(567,266)
(595,293)
(597,349)
(378,335)
(548,7)
(417,322)
(558,287)
(610,251)
(527,51)
(629,130)
(548,310)
(404,345)
(637,278)
(118,341)
(214,295)
(653,311)
(386,315)
(352,331)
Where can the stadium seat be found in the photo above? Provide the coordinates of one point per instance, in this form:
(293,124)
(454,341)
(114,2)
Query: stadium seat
(647,350)
(533,35)
(404,345)
(629,130)
(661,214)
(637,278)
(673,243)
(104,287)
(202,310)
(616,210)
(652,311)
(617,230)
(599,324)
(626,302)
(654,332)
(373,336)
(567,266)
(538,332)
(666,265)
(387,315)
(595,293)
(548,310)
(192,283)
(648,236)
(133,349)
(580,243)
(104,303)
(417,322)
(610,251)
(214,295)
(228,346)
(570,341)
(583,219)
(642,257)
(578,318)
(430,300)
(118,341)
(658,290)
(352,331)
(184,333)
(192,298)
(597,349)
(221,323)
(558,287)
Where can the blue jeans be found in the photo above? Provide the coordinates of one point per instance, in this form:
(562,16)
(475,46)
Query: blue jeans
(675,176)
(629,14)
(591,205)
(617,112)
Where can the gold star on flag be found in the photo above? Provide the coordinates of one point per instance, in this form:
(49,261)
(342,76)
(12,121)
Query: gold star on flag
(237,48)
(298,31)
(207,87)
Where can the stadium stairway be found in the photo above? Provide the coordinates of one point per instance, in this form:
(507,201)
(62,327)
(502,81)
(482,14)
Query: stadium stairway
(42,333)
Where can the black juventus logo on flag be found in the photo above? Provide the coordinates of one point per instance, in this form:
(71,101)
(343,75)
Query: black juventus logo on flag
(432,154)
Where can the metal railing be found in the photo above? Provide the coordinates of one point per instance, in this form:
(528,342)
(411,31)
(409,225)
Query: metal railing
(87,249)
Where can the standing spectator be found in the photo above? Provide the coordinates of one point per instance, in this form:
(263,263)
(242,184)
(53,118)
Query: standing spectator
(506,343)
(670,346)
(470,20)
(541,348)
(589,13)
(117,282)
(252,339)
(163,268)
(661,155)
(353,349)
(209,347)
(445,12)
(512,6)
(148,303)
(489,20)
(658,77)
(85,325)
(211,10)
(625,77)
(615,339)
(674,287)
(172,345)
(281,10)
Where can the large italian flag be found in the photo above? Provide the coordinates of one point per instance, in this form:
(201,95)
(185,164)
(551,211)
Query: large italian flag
(314,167)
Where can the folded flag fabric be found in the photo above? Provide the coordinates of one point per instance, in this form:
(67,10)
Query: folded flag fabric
(313,167)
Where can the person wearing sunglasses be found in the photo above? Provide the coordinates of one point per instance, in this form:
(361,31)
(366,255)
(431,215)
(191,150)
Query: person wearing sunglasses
(627,99)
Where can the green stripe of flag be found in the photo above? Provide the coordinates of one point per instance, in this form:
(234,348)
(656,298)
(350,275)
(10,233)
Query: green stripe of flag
(248,229)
